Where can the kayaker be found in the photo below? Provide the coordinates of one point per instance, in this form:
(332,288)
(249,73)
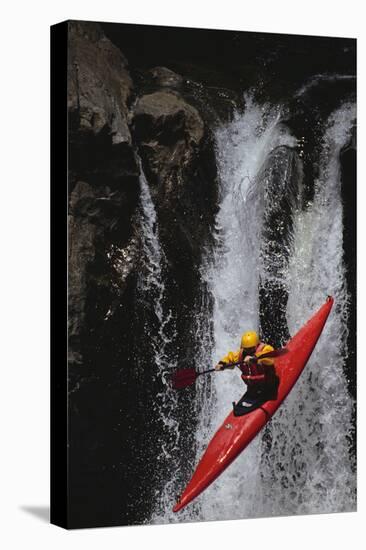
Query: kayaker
(258,374)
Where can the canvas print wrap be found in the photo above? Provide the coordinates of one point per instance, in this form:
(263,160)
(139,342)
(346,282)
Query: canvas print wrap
(211,222)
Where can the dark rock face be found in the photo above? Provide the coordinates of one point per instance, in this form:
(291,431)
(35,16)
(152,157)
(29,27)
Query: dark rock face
(178,159)
(99,84)
(165,78)
(214,104)
(82,253)
(177,155)
(170,132)
(282,180)
(103,259)
(103,177)
(114,441)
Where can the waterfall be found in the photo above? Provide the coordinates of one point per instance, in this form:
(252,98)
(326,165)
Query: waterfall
(233,278)
(307,467)
(301,462)
(159,335)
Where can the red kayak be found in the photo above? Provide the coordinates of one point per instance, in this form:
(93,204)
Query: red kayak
(238,431)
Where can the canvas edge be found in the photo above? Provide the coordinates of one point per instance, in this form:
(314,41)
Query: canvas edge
(59,247)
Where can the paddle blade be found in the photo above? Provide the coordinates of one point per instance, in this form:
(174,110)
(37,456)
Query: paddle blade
(183,378)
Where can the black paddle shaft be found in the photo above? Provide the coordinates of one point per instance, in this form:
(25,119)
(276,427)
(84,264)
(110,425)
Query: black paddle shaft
(223,367)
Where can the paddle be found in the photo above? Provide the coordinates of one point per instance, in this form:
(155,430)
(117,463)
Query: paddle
(187,377)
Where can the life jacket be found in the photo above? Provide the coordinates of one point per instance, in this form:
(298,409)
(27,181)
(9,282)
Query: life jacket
(254,373)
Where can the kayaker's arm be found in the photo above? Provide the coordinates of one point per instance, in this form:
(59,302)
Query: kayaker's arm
(265,362)
(231,357)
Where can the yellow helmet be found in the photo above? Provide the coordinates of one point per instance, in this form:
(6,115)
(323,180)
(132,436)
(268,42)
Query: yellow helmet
(249,340)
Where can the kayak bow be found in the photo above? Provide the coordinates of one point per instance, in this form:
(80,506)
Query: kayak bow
(237,432)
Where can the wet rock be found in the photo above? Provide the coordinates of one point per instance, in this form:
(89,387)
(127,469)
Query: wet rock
(93,241)
(308,112)
(81,253)
(216,104)
(162,77)
(99,84)
(103,261)
(103,175)
(169,130)
(178,158)
(281,178)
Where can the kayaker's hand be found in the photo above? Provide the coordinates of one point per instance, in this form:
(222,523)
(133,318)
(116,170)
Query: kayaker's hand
(219,366)
(250,359)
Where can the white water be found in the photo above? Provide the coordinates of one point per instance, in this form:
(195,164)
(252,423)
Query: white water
(312,429)
(242,148)
(159,337)
(317,79)
(307,467)
(301,464)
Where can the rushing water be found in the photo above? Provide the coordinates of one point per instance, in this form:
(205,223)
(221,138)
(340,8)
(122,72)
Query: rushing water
(242,149)
(321,476)
(160,336)
(301,462)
